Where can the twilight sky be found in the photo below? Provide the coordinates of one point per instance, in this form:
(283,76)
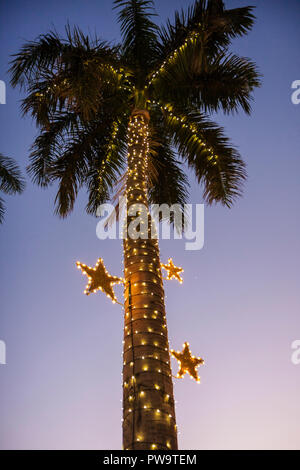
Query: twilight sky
(238,306)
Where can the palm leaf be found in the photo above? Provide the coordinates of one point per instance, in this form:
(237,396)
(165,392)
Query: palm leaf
(209,17)
(167,182)
(200,142)
(223,83)
(140,47)
(11,181)
(2,210)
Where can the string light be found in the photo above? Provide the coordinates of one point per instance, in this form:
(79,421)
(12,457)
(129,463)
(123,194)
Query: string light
(181,122)
(99,279)
(187,362)
(173,271)
(173,56)
(110,148)
(144,305)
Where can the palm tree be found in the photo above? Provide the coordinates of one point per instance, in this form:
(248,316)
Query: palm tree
(11,181)
(144,103)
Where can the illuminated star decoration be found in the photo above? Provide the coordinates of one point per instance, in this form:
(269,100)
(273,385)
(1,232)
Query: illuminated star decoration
(99,278)
(173,271)
(187,362)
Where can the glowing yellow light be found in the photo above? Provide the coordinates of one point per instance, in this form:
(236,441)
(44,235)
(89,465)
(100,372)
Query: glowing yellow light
(173,271)
(187,362)
(99,278)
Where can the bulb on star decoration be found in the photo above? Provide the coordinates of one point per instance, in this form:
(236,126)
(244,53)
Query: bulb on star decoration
(173,271)
(99,279)
(187,362)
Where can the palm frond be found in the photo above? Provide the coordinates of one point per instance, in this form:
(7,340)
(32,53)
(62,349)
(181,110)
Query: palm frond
(49,145)
(34,56)
(218,25)
(140,46)
(167,185)
(76,153)
(200,142)
(11,181)
(225,85)
(67,74)
(167,182)
(50,52)
(198,37)
(238,21)
(69,170)
(225,82)
(105,169)
(2,210)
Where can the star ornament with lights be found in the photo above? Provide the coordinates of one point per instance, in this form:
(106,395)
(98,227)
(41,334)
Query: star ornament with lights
(99,279)
(173,271)
(187,362)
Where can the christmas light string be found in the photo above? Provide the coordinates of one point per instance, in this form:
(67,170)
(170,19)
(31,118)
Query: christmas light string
(151,285)
(181,120)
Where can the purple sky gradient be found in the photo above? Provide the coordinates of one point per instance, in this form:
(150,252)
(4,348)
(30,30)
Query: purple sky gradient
(239,303)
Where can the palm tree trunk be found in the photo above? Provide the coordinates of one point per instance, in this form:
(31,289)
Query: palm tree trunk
(148,402)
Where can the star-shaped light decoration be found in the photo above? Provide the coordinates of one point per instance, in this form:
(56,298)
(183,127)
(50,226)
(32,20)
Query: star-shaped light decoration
(173,271)
(187,362)
(99,278)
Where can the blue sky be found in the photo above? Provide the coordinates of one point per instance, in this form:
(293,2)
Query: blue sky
(238,306)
